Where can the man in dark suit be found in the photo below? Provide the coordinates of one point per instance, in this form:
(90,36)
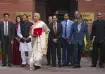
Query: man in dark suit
(78,30)
(49,43)
(55,36)
(98,33)
(7,30)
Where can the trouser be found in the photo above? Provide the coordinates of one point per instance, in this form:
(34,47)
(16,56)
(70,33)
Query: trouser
(95,52)
(77,51)
(23,57)
(6,49)
(49,53)
(67,52)
(56,48)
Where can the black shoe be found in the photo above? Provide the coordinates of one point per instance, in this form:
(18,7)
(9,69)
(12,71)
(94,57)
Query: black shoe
(101,65)
(78,66)
(3,65)
(64,64)
(74,66)
(48,64)
(93,66)
(9,65)
(69,64)
(23,65)
(37,67)
(59,65)
(53,65)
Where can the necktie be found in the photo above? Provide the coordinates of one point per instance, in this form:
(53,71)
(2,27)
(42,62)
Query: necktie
(55,29)
(65,28)
(6,29)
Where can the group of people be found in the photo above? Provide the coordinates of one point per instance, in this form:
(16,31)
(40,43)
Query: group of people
(25,42)
(69,35)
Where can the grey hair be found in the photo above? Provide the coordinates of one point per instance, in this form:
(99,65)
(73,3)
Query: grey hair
(37,14)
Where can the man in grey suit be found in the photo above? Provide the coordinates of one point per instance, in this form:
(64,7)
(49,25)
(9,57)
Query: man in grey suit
(78,30)
(7,30)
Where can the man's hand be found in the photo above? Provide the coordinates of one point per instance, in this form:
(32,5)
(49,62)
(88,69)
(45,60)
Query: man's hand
(55,40)
(65,38)
(27,38)
(24,38)
(11,41)
(17,39)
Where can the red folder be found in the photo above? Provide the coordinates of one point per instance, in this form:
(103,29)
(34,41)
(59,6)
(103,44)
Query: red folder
(37,32)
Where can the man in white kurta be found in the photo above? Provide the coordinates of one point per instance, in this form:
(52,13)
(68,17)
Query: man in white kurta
(25,41)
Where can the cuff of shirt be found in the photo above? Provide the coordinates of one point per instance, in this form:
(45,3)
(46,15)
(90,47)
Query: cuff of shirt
(30,36)
(21,36)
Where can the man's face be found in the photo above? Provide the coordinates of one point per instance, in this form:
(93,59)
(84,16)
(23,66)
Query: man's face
(66,16)
(50,19)
(24,18)
(99,15)
(79,20)
(6,17)
(54,19)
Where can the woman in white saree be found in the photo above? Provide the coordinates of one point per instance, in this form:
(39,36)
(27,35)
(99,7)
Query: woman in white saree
(39,43)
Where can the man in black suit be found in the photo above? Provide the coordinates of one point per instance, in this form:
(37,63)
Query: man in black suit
(49,43)
(7,30)
(98,35)
(55,36)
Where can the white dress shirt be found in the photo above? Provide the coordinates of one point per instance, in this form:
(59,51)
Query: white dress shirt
(79,27)
(5,28)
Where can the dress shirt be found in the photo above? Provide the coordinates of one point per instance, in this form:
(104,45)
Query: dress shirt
(68,27)
(79,27)
(5,28)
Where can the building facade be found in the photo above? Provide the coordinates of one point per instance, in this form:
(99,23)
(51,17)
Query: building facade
(45,7)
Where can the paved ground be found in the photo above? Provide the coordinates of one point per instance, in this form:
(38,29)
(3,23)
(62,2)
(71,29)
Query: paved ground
(49,70)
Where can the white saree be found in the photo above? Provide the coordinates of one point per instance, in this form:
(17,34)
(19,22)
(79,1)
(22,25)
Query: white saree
(39,44)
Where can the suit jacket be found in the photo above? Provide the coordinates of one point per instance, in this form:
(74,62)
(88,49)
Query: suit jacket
(78,37)
(58,32)
(11,31)
(24,31)
(98,30)
(68,28)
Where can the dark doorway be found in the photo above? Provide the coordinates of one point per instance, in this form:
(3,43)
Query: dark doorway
(60,7)
(49,7)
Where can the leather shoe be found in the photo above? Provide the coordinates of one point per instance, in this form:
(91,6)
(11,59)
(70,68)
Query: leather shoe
(93,66)
(3,65)
(48,64)
(101,65)
(53,65)
(23,65)
(9,65)
(59,65)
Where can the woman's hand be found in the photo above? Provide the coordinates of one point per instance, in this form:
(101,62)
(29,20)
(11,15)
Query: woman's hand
(46,32)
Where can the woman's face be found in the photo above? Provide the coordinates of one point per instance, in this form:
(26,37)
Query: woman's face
(36,18)
(18,19)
